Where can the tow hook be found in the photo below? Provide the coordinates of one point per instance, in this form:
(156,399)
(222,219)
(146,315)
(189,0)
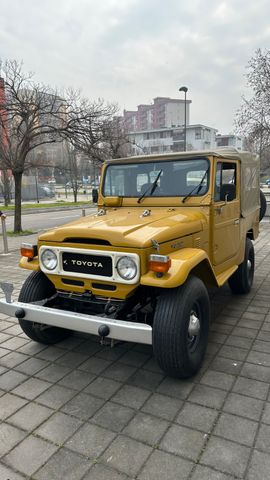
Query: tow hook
(109,308)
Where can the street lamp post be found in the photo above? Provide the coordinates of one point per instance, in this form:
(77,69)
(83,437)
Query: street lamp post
(185,89)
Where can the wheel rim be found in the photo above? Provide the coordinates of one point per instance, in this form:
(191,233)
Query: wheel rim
(250,269)
(194,328)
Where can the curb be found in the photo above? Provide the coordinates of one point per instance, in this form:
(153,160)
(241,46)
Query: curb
(10,213)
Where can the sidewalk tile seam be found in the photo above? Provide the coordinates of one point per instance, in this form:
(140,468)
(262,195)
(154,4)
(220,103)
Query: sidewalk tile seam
(32,475)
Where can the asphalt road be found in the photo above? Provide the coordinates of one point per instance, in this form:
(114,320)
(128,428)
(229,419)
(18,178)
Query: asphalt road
(38,222)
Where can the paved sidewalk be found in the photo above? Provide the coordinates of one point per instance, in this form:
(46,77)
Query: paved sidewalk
(14,243)
(77,410)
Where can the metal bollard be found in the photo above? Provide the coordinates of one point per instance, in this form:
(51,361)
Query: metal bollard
(83,212)
(4,232)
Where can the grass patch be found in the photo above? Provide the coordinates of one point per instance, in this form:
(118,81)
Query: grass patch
(59,203)
(19,234)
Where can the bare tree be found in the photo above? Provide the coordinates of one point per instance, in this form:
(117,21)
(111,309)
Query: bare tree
(32,114)
(115,142)
(253,118)
(103,135)
(72,169)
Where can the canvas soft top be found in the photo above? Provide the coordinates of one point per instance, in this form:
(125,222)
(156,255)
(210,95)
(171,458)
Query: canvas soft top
(223,152)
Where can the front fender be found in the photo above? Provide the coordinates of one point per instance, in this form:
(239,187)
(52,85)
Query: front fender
(183,262)
(32,265)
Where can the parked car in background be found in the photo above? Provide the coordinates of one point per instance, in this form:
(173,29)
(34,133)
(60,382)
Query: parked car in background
(47,191)
(70,185)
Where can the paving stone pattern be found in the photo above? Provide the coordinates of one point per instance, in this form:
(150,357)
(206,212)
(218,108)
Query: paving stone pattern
(79,410)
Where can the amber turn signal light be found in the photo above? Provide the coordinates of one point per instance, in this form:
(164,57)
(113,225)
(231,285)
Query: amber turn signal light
(159,263)
(28,250)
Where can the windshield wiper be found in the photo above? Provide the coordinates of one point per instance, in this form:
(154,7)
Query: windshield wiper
(198,187)
(151,188)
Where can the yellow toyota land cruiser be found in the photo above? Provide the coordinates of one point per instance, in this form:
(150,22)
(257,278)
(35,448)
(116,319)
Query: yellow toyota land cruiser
(167,227)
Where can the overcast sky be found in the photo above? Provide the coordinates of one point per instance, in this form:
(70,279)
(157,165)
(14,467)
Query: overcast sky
(131,51)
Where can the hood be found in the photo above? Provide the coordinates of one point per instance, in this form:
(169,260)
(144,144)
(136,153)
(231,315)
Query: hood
(128,227)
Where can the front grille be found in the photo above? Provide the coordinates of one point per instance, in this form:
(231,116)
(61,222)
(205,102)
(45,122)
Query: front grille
(68,281)
(87,241)
(103,286)
(87,264)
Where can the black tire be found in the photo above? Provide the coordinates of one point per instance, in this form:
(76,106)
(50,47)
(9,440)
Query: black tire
(37,287)
(178,353)
(263,205)
(241,281)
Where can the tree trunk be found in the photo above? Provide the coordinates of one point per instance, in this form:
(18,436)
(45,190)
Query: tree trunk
(75,194)
(6,184)
(18,202)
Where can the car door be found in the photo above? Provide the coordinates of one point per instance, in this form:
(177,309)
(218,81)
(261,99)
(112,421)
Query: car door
(226,211)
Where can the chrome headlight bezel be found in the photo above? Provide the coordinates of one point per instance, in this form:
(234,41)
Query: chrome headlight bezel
(122,278)
(130,265)
(52,263)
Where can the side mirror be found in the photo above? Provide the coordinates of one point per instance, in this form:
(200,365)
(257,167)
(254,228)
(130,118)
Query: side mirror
(95,195)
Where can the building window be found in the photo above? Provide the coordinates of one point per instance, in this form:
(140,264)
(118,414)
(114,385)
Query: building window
(166,148)
(178,147)
(198,133)
(178,136)
(223,142)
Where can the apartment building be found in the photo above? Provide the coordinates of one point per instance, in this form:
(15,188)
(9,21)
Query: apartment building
(229,141)
(164,112)
(164,140)
(159,128)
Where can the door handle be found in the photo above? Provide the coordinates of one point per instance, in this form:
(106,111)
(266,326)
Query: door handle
(237,221)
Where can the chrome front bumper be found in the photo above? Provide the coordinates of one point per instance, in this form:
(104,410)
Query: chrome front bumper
(118,329)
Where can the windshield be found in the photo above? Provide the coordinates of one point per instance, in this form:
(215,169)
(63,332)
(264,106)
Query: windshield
(176,178)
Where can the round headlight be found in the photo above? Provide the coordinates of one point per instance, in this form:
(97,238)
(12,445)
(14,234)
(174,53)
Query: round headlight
(126,268)
(49,259)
